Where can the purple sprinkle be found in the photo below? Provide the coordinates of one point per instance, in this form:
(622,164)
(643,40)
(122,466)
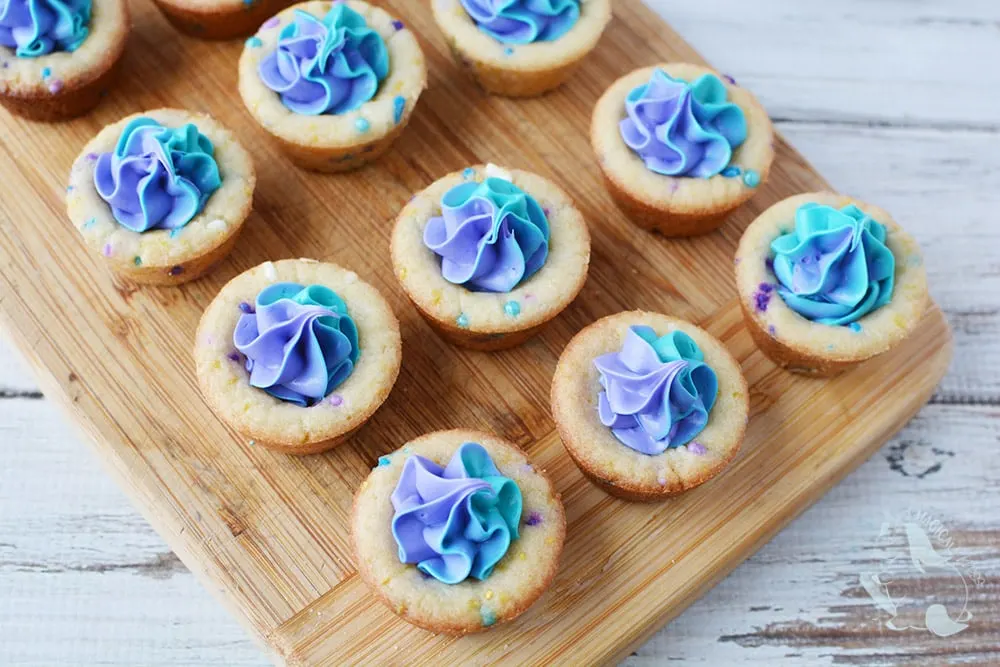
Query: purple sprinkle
(729,79)
(233,356)
(246,307)
(92,156)
(697,448)
(769,263)
(533,519)
(674,185)
(336,400)
(55,86)
(546,211)
(176,270)
(529,297)
(771,330)
(766,288)
(397,24)
(271,22)
(107,250)
(6,64)
(209,340)
(761,301)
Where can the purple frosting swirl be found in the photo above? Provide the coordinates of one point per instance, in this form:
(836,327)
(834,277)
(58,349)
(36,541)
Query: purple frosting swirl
(683,129)
(657,391)
(300,344)
(326,66)
(491,236)
(458,521)
(524,21)
(157,177)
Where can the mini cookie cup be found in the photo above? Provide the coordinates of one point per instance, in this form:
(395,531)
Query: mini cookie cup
(337,142)
(163,256)
(271,422)
(800,345)
(67,84)
(520,70)
(218,19)
(610,464)
(491,320)
(679,206)
(517,581)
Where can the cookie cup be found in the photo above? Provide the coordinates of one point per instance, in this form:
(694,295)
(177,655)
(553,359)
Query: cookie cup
(801,345)
(517,581)
(271,422)
(337,142)
(218,19)
(162,256)
(487,320)
(680,206)
(520,70)
(613,466)
(66,84)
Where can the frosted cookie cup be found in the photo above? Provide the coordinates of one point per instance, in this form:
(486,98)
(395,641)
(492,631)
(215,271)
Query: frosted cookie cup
(295,355)
(161,195)
(457,532)
(521,49)
(649,406)
(324,114)
(681,147)
(218,19)
(51,70)
(489,256)
(827,282)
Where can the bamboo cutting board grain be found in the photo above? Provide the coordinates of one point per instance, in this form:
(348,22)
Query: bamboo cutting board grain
(269,533)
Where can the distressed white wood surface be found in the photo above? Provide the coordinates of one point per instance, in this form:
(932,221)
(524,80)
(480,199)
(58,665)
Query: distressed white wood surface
(894,101)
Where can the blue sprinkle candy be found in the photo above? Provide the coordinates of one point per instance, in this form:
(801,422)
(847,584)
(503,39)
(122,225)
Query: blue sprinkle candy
(90,223)
(855,327)
(384,461)
(253,42)
(137,261)
(512,308)
(398,105)
(751,178)
(508,51)
(731,172)
(462,321)
(489,617)
(468,173)
(362,125)
(46,72)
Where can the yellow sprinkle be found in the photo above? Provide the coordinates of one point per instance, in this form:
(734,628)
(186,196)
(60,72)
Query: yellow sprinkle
(522,556)
(504,598)
(386,581)
(436,296)
(246,407)
(232,381)
(473,604)
(549,540)
(737,394)
(489,595)
(216,364)
(402,274)
(899,321)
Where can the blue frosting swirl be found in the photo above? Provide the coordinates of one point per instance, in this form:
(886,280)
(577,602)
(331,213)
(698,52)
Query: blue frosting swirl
(683,129)
(658,392)
(38,27)
(326,66)
(835,267)
(458,521)
(524,21)
(157,177)
(300,343)
(491,236)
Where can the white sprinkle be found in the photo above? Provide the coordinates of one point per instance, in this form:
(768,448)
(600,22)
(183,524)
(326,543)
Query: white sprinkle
(269,272)
(350,277)
(308,260)
(217,225)
(493,171)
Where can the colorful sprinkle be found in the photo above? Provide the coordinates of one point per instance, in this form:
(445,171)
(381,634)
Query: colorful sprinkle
(248,3)
(251,442)
(362,125)
(697,448)
(512,308)
(468,173)
(336,400)
(533,519)
(729,79)
(398,106)
(254,42)
(89,223)
(762,297)
(508,51)
(489,595)
(398,25)
(46,72)
(137,261)
(751,178)
(731,172)
(488,616)
(462,321)
(271,22)
(107,250)
(233,356)
(769,263)
(771,330)
(55,86)
(176,270)
(384,461)
(246,307)
(855,327)
(92,156)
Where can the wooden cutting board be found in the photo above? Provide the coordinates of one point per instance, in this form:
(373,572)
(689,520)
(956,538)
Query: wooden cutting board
(269,533)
